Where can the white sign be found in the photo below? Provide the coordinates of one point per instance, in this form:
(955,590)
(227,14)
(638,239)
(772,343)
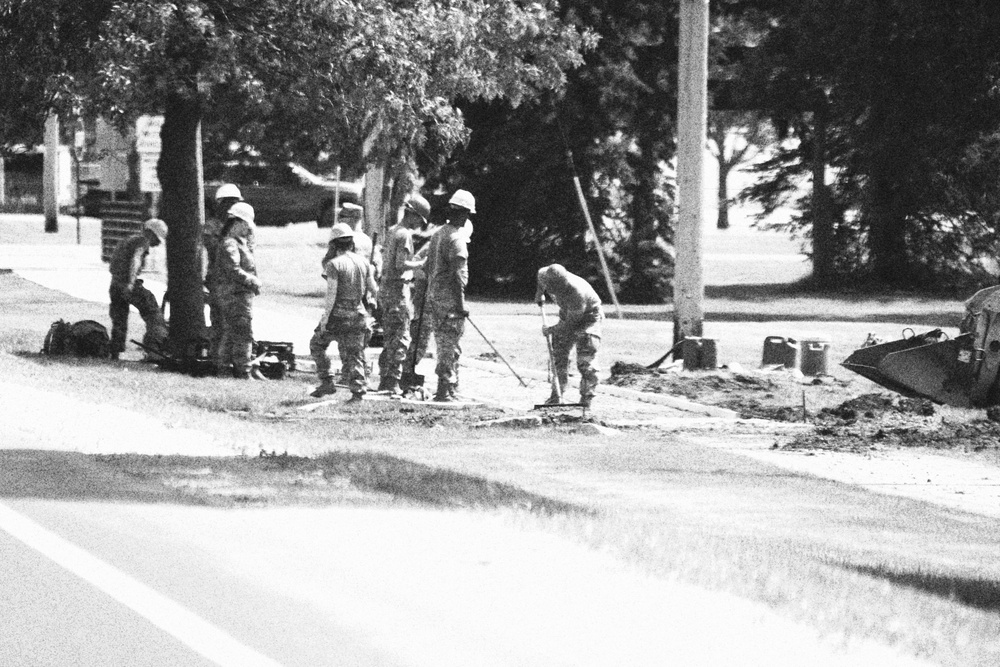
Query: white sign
(147,145)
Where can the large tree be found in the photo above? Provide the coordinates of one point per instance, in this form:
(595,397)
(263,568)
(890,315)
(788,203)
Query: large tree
(385,73)
(887,100)
(616,119)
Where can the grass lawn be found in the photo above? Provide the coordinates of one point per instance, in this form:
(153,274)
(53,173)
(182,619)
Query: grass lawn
(851,563)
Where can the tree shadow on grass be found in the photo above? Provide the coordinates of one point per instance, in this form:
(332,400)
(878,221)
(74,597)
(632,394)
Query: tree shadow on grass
(333,479)
(973,592)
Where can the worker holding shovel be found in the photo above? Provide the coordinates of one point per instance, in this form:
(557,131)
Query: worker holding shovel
(579,326)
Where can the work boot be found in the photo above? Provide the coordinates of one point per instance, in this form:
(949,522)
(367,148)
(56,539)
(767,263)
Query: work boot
(391,387)
(445,394)
(325,388)
(356,397)
(255,374)
(586,400)
(240,374)
(553,399)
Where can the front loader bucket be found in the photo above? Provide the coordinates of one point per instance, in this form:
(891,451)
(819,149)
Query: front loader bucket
(927,366)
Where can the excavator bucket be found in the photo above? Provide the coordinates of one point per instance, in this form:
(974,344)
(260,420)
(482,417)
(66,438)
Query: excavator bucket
(959,371)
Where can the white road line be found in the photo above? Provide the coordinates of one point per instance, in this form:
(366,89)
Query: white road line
(194,632)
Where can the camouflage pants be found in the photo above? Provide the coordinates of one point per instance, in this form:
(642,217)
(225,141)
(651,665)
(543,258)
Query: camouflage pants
(448,332)
(145,302)
(351,333)
(397,312)
(421,328)
(586,346)
(236,343)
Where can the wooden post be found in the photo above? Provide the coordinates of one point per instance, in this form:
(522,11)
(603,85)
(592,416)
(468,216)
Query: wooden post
(692,121)
(50,175)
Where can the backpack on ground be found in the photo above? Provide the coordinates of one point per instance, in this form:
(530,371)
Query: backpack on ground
(89,339)
(85,338)
(57,338)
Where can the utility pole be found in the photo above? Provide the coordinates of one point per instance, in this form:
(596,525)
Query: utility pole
(50,174)
(692,126)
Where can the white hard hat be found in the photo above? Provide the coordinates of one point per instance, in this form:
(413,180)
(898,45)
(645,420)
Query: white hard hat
(228,191)
(464,199)
(158,227)
(241,210)
(347,208)
(340,231)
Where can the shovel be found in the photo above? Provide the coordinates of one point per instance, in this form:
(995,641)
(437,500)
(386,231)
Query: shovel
(409,378)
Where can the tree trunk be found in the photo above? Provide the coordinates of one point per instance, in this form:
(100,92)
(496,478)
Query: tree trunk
(887,235)
(722,222)
(181,207)
(50,176)
(824,252)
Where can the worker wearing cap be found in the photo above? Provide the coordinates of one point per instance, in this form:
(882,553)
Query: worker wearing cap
(237,285)
(127,262)
(350,284)
(395,300)
(579,326)
(227,195)
(353,215)
(447,275)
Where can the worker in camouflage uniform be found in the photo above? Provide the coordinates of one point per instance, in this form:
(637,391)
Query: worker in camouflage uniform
(395,301)
(237,285)
(350,285)
(579,326)
(127,262)
(447,275)
(227,195)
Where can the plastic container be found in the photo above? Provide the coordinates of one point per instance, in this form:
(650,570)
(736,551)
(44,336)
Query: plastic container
(781,350)
(700,353)
(815,356)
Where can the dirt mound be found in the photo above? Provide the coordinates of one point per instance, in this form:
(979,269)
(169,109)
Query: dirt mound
(871,406)
(874,421)
(752,395)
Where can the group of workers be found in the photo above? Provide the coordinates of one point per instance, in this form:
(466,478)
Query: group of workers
(416,280)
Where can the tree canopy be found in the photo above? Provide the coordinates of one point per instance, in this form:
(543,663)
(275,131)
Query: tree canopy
(899,100)
(383,73)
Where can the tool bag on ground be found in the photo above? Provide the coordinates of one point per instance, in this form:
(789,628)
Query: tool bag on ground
(85,338)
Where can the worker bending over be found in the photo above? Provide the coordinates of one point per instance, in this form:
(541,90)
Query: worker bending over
(579,326)
(127,262)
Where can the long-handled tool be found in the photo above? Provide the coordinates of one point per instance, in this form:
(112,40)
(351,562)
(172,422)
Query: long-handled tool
(554,374)
(497,352)
(410,379)
(659,362)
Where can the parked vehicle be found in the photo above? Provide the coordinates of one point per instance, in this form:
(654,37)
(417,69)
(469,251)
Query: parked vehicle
(282,194)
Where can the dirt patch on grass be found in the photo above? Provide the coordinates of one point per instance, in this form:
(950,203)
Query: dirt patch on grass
(844,420)
(881,420)
(774,395)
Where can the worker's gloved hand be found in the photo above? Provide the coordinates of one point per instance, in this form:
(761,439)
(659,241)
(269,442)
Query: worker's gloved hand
(547,331)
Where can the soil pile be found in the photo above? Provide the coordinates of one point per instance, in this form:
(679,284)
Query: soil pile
(845,419)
